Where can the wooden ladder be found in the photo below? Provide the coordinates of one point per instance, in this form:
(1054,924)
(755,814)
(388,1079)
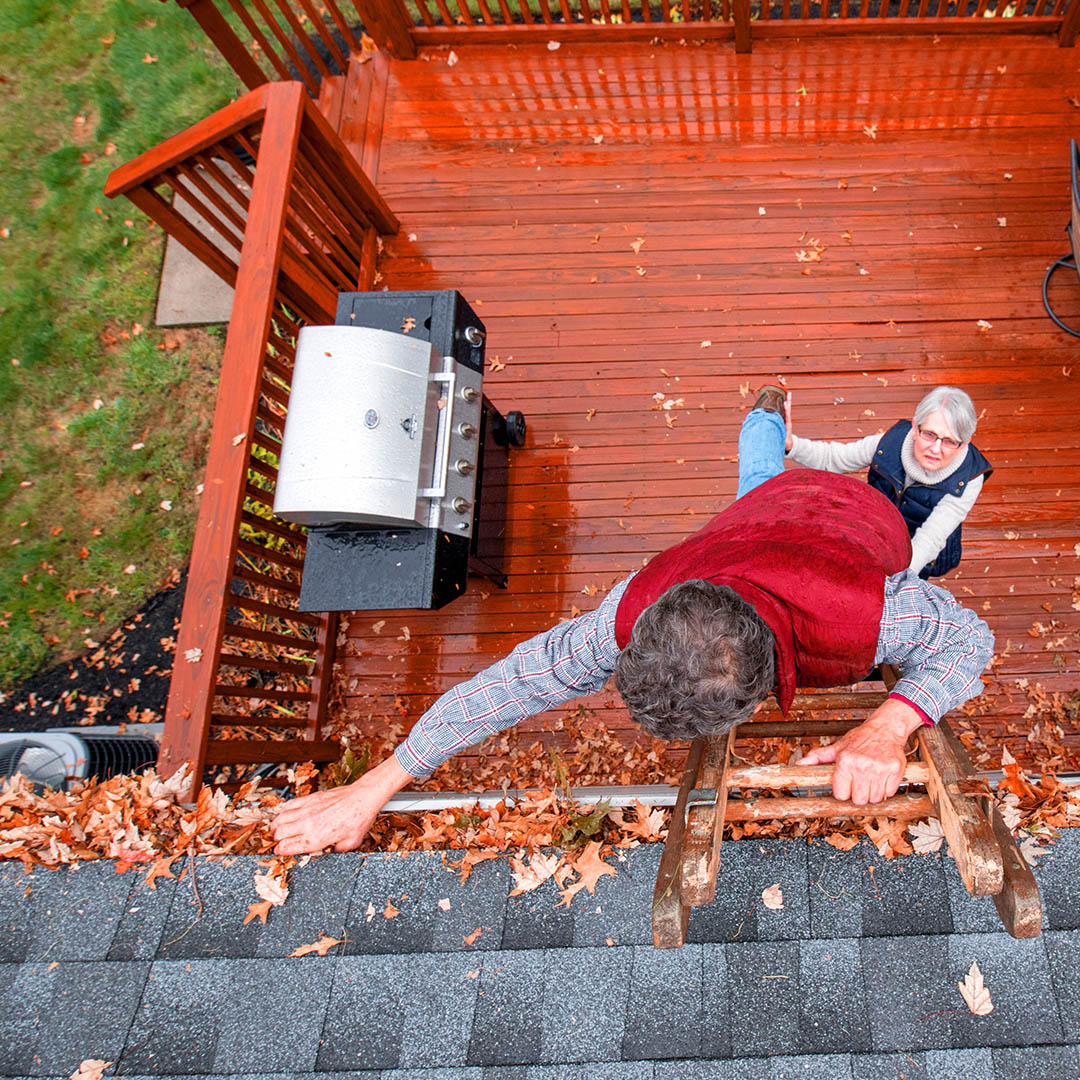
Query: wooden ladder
(985,852)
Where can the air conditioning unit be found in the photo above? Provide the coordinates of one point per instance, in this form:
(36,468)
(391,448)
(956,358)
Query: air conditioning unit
(58,757)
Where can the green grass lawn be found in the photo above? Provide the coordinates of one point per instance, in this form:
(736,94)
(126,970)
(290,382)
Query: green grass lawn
(104,420)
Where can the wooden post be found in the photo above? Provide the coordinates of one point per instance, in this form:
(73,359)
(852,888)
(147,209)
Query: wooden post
(669,912)
(389,24)
(705,825)
(1070,24)
(741,14)
(191,694)
(228,44)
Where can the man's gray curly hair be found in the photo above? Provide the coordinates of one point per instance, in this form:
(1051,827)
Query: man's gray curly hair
(699,660)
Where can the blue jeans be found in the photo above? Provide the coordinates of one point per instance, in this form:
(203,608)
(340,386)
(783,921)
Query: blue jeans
(761,449)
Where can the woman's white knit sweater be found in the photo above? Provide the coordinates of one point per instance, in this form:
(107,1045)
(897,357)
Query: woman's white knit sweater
(841,457)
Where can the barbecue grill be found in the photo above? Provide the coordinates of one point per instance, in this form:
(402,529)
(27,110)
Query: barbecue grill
(392,456)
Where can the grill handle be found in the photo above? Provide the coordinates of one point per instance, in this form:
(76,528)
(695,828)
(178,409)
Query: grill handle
(446,427)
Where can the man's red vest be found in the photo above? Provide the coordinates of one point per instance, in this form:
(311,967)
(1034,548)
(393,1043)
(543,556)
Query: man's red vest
(809,551)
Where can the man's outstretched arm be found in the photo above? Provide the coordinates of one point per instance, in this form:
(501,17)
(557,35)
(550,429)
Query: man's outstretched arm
(941,649)
(570,660)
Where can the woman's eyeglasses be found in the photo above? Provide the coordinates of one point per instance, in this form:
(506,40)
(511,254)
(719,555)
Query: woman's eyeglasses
(928,438)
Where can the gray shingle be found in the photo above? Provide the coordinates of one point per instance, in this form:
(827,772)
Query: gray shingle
(1017,974)
(585,992)
(1058,875)
(664,1008)
(970,914)
(142,924)
(833,997)
(480,901)
(1037,1063)
(366,1015)
(54,1019)
(904,895)
(889,1066)
(439,998)
(909,986)
(763,989)
(621,908)
(715,1004)
(415,885)
(226,891)
(417,1074)
(737,914)
(509,1005)
(537,920)
(407,883)
(795,1067)
(972,1064)
(230,1016)
(597,1070)
(693,1070)
(66,914)
(1063,952)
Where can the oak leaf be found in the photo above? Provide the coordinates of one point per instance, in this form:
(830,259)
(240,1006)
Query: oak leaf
(390,912)
(975,993)
(591,867)
(159,869)
(471,939)
(322,946)
(259,911)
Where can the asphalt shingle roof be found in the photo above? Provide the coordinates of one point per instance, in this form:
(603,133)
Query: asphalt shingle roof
(854,979)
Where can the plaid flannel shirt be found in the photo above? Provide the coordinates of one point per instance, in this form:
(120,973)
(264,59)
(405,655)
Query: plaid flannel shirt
(940,648)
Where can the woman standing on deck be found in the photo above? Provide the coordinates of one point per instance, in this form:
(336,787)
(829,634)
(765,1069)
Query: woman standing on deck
(927,466)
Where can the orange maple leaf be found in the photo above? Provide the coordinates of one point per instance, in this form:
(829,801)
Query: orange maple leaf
(259,911)
(322,946)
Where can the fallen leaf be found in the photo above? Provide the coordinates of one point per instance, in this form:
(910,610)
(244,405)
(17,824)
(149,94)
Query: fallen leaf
(773,897)
(238,439)
(975,993)
(926,836)
(474,974)
(165,504)
(841,184)
(193,656)
(259,911)
(983,325)
(1003,222)
(405,634)
(407,324)
(598,139)
(370,913)
(533,875)
(90,1069)
(159,869)
(841,842)
(553,45)
(870,130)
(706,344)
(148,59)
(272,887)
(322,946)
(390,912)
(471,939)
(444,904)
(451,58)
(377,626)
(638,244)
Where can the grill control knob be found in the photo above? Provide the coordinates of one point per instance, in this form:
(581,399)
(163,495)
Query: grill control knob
(474,336)
(470,393)
(463,467)
(467,431)
(461,505)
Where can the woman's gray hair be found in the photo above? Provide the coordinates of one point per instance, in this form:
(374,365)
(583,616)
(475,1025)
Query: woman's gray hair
(699,660)
(956,406)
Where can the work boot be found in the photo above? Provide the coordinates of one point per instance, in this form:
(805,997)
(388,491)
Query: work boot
(771,398)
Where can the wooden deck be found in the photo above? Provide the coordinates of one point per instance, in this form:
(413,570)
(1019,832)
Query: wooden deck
(626,217)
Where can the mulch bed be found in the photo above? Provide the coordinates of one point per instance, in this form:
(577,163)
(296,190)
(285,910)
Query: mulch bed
(123,681)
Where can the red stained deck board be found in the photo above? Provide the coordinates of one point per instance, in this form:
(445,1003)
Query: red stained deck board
(519,174)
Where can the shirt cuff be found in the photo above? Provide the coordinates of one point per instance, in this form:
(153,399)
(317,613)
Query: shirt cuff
(408,760)
(927,722)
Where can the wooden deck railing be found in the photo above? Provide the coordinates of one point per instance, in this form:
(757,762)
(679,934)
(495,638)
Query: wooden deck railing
(289,39)
(294,221)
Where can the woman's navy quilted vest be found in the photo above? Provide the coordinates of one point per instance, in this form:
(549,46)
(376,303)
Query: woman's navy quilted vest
(917,501)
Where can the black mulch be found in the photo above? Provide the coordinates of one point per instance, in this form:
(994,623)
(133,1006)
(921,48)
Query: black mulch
(124,681)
